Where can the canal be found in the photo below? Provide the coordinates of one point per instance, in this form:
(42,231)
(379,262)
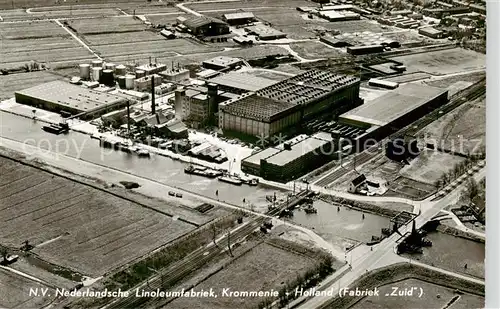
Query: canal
(335,226)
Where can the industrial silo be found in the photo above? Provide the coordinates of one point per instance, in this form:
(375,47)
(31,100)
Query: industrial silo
(96,74)
(129,81)
(109,66)
(108,78)
(85,71)
(120,69)
(140,73)
(97,64)
(121,82)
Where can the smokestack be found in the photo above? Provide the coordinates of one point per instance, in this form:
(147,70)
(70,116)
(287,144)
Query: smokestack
(179,94)
(149,60)
(153,107)
(128,117)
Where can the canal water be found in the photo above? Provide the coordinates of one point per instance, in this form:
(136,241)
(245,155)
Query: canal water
(328,222)
(452,253)
(337,226)
(159,168)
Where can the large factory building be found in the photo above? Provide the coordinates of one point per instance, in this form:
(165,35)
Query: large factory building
(292,159)
(59,96)
(278,107)
(394,110)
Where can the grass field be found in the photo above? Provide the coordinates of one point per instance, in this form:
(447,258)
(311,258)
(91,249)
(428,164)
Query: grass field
(430,165)
(429,299)
(165,19)
(106,25)
(462,130)
(42,41)
(264,268)
(315,50)
(248,4)
(14,292)
(154,48)
(14,82)
(75,226)
(444,61)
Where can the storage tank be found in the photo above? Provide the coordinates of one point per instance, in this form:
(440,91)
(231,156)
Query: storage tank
(120,69)
(140,73)
(129,81)
(97,63)
(108,78)
(109,66)
(121,81)
(96,74)
(85,71)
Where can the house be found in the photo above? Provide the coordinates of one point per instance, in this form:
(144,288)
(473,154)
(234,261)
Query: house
(173,128)
(206,26)
(357,184)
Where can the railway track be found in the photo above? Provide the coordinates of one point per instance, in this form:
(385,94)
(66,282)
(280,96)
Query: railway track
(471,93)
(168,278)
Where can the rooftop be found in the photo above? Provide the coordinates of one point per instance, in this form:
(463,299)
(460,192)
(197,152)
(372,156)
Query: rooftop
(241,15)
(243,81)
(297,150)
(76,97)
(255,107)
(200,21)
(301,89)
(306,87)
(266,153)
(393,105)
(152,66)
(223,61)
(430,30)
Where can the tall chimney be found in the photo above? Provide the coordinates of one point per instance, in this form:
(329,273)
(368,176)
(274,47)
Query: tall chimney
(153,107)
(149,60)
(128,117)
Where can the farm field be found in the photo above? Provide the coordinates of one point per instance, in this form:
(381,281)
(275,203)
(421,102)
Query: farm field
(315,50)
(14,292)
(122,37)
(106,25)
(8,4)
(154,48)
(362,25)
(247,4)
(15,82)
(14,15)
(443,62)
(31,30)
(76,226)
(165,19)
(75,11)
(264,268)
(41,41)
(462,130)
(429,298)
(149,9)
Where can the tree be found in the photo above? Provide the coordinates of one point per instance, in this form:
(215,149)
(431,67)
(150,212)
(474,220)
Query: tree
(472,189)
(4,253)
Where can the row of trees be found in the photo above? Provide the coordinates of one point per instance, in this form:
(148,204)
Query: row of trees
(457,170)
